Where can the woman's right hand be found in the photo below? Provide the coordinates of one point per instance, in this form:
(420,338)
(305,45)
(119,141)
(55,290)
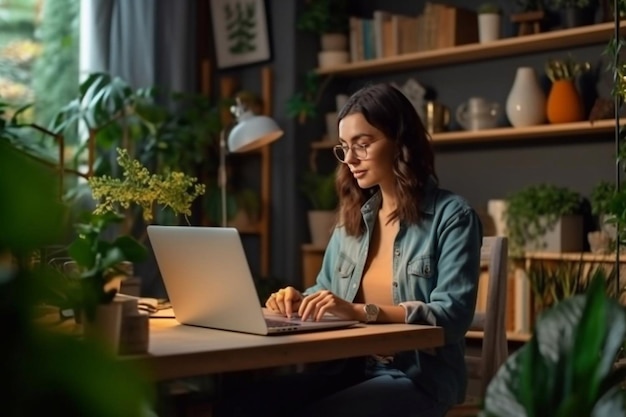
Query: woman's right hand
(284,301)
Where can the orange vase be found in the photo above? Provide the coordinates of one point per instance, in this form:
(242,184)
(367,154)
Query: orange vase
(564,103)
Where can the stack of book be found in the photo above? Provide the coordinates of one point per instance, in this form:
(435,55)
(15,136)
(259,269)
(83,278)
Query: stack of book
(389,34)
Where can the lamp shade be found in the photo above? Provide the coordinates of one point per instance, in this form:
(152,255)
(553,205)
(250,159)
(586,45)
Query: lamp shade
(252,131)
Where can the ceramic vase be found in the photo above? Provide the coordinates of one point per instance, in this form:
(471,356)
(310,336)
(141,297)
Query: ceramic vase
(526,102)
(564,103)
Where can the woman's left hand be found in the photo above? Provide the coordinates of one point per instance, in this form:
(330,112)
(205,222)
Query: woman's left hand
(315,305)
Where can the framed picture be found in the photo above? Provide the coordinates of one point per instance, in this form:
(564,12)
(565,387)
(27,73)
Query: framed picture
(240,32)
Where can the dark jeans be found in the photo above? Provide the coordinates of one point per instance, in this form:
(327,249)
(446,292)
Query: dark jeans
(345,390)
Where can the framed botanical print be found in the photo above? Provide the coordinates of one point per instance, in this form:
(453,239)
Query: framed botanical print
(240,32)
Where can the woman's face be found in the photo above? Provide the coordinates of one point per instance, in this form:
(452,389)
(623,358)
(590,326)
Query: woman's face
(371,154)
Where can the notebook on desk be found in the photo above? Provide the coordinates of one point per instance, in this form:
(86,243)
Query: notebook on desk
(209,283)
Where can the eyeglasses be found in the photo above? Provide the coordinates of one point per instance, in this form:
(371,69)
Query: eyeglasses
(358,150)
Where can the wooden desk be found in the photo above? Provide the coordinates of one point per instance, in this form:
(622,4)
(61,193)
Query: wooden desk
(178,351)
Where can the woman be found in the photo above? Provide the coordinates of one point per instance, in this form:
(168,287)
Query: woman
(404,251)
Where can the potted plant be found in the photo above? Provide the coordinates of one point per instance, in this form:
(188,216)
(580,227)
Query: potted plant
(544,217)
(302,105)
(320,191)
(329,20)
(575,13)
(570,366)
(489,22)
(601,200)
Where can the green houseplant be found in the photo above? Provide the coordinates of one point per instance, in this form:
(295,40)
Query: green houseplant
(52,372)
(534,210)
(320,191)
(568,368)
(489,8)
(324,16)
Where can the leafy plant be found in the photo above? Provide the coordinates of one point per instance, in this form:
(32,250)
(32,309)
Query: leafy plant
(173,190)
(534,210)
(601,197)
(52,372)
(565,69)
(303,104)
(324,16)
(320,190)
(568,366)
(99,259)
(529,5)
(573,4)
(489,8)
(552,284)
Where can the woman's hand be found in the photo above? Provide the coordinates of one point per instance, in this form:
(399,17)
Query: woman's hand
(284,301)
(316,305)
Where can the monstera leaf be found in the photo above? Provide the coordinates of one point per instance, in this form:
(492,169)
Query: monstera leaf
(568,367)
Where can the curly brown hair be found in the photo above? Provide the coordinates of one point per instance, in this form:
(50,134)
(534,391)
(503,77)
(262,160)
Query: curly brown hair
(388,110)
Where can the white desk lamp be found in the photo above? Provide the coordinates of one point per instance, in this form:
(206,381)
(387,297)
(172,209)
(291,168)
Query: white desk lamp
(250,132)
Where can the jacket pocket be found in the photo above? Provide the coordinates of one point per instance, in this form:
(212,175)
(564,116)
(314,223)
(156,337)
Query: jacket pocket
(345,266)
(421,267)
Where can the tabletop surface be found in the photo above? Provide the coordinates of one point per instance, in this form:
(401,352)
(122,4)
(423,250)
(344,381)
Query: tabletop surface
(179,350)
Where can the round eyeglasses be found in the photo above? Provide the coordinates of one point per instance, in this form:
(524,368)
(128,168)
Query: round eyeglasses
(358,150)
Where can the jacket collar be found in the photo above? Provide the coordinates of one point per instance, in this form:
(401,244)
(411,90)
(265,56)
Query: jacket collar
(427,205)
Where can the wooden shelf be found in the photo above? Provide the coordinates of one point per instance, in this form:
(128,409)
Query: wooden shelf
(522,133)
(573,256)
(510,336)
(503,134)
(558,39)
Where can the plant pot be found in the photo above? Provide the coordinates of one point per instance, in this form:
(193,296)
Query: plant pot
(565,236)
(574,17)
(489,27)
(105,328)
(328,59)
(334,42)
(496,209)
(332,128)
(321,224)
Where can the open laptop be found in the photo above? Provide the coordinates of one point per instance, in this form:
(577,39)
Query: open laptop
(209,283)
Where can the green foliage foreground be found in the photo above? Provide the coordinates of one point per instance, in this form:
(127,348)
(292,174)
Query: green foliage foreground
(568,369)
(48,372)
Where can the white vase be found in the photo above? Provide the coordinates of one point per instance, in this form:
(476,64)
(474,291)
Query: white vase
(526,103)
(497,210)
(488,27)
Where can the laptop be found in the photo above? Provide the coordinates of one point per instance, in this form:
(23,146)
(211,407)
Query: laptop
(209,283)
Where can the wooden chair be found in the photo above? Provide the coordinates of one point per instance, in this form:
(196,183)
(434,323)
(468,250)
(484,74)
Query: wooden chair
(494,257)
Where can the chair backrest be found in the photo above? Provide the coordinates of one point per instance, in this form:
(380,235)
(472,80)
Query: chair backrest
(493,255)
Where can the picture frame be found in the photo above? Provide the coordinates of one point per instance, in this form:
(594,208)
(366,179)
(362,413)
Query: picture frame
(240,32)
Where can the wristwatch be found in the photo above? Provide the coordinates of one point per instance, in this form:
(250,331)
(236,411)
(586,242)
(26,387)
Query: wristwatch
(371,312)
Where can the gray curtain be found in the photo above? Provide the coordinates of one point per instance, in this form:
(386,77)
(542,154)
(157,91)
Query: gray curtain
(146,42)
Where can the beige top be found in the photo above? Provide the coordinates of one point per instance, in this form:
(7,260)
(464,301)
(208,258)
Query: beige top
(378,273)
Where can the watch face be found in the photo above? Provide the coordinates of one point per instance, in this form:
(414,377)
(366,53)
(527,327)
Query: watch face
(371,309)
(371,312)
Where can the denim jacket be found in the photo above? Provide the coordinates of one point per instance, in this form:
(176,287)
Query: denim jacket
(435,278)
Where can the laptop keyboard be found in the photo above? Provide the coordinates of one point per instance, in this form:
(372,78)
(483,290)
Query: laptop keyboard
(279,323)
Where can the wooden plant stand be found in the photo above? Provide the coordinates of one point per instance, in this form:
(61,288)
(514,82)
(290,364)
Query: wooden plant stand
(529,22)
